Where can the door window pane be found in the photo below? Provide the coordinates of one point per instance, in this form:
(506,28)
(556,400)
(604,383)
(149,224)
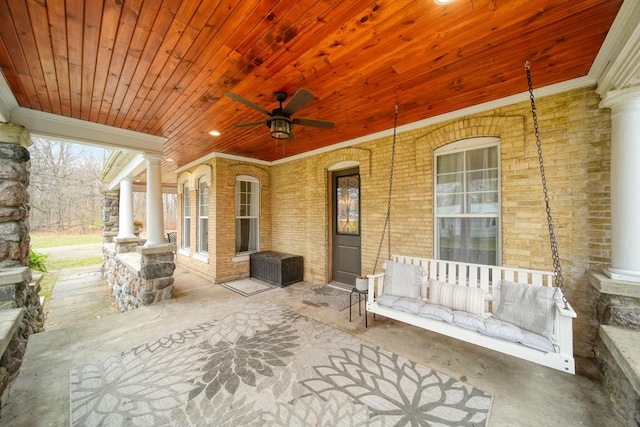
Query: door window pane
(348,204)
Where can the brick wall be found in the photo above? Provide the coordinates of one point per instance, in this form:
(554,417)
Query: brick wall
(221,265)
(576,137)
(576,140)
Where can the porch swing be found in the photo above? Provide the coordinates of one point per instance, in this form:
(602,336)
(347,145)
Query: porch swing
(510,310)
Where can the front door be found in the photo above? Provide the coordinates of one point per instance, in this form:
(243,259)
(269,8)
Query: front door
(345,226)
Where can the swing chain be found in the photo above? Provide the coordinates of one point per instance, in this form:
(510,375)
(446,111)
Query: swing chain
(387,222)
(552,234)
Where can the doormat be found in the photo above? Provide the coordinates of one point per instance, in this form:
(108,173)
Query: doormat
(268,366)
(247,287)
(326,296)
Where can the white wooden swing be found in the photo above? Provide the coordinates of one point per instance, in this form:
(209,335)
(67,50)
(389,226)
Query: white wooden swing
(510,310)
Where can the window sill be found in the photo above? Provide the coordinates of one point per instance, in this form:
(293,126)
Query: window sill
(240,258)
(202,257)
(184,252)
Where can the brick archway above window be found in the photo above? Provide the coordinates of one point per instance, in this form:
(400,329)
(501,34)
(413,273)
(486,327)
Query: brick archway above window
(510,130)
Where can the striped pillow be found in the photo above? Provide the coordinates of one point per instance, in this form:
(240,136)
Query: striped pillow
(458,297)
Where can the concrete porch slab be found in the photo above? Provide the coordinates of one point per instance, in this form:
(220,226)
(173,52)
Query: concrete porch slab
(524,394)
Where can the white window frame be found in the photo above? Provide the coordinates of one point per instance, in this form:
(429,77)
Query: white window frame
(463,146)
(186,217)
(203,214)
(256,199)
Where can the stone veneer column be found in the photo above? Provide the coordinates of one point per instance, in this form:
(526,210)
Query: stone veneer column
(110,215)
(155,213)
(20,309)
(625,180)
(14,198)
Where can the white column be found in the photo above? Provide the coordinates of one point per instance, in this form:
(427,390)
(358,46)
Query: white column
(155,215)
(625,184)
(125,213)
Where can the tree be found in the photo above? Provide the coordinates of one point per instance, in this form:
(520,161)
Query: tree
(64,186)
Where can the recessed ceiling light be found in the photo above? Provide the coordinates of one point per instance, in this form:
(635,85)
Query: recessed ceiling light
(214,133)
(441,2)
(169,160)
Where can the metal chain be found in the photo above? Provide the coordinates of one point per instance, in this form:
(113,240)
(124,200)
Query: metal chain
(387,221)
(552,234)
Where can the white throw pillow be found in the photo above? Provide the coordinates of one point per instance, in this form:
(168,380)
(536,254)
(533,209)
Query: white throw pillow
(458,297)
(529,306)
(403,280)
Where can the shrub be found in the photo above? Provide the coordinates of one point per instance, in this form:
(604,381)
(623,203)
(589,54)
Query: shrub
(37,260)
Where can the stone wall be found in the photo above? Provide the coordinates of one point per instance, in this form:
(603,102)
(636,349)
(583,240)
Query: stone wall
(18,288)
(140,277)
(110,215)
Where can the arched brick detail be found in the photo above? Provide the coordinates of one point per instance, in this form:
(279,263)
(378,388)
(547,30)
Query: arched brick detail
(361,155)
(236,169)
(182,178)
(510,130)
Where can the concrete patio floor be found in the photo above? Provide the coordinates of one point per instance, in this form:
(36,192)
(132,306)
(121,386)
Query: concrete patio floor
(524,394)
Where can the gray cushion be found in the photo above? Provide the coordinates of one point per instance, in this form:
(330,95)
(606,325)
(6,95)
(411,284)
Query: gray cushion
(537,341)
(387,300)
(402,280)
(504,330)
(468,320)
(437,312)
(529,306)
(409,305)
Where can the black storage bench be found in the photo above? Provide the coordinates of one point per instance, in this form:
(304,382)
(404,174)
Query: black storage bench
(276,267)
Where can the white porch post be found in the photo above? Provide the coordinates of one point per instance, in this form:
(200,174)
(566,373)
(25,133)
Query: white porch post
(625,181)
(125,221)
(155,216)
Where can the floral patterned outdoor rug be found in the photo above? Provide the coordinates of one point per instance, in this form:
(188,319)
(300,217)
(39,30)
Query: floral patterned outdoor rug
(326,296)
(268,366)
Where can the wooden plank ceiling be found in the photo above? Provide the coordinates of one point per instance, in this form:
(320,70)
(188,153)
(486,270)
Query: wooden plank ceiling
(162,67)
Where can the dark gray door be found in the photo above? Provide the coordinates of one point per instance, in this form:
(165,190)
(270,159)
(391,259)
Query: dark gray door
(346,226)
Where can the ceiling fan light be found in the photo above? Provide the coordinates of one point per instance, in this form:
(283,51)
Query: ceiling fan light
(280,129)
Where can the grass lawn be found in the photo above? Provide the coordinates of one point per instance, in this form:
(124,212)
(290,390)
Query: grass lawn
(50,240)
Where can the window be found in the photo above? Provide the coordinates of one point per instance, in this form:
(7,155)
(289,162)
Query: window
(203,216)
(247,214)
(186,217)
(467,201)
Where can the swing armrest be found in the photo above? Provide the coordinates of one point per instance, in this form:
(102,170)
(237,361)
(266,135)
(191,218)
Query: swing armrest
(567,312)
(376,284)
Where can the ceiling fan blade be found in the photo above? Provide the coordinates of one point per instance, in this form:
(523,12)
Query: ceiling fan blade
(322,124)
(297,101)
(246,125)
(247,103)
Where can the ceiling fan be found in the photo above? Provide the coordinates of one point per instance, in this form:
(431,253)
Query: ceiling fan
(280,121)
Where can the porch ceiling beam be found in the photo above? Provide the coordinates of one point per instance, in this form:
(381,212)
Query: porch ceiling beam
(62,128)
(617,64)
(136,165)
(8,102)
